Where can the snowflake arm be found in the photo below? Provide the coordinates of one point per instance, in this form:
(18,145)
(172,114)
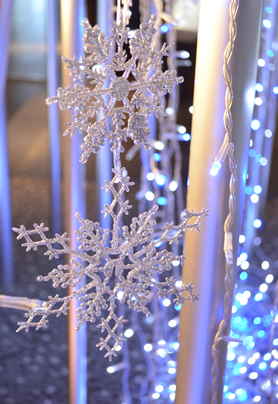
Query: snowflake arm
(172,233)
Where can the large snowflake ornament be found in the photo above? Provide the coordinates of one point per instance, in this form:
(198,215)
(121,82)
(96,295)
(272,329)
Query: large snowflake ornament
(131,257)
(121,265)
(126,91)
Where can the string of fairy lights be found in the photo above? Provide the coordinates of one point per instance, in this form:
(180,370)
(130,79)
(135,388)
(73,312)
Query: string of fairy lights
(251,369)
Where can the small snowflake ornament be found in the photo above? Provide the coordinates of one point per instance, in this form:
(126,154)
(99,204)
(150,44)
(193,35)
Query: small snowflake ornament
(124,259)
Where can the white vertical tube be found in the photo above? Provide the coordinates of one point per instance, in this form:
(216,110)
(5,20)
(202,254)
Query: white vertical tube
(53,114)
(204,264)
(74,174)
(6,253)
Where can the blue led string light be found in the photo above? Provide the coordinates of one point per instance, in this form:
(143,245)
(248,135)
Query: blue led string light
(252,365)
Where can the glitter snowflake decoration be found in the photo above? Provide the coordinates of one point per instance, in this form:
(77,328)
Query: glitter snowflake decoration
(120,89)
(121,265)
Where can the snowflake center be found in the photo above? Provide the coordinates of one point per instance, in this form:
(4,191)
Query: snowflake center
(120,89)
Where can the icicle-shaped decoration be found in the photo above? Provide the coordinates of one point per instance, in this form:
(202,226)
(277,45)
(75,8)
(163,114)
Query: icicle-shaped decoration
(130,256)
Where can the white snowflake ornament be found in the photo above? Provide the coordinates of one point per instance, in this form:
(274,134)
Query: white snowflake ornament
(121,265)
(120,88)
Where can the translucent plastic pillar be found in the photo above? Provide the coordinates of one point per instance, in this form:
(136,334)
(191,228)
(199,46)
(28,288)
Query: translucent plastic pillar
(74,176)
(53,114)
(204,264)
(6,251)
(104,157)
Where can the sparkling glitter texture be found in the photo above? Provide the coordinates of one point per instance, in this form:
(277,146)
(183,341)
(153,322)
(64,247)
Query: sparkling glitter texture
(120,265)
(120,89)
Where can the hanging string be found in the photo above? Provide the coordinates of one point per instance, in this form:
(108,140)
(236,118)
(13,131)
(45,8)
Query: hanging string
(227,149)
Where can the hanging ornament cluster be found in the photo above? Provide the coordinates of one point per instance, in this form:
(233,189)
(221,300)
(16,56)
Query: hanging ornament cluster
(121,91)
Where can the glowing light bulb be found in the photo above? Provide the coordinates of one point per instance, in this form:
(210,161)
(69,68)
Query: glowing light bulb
(155,396)
(181,129)
(128,333)
(186,137)
(259,87)
(159,145)
(215,168)
(269,278)
(244,265)
(172,323)
(265,265)
(257,223)
(164,28)
(120,294)
(266,23)
(268,133)
(149,196)
(261,62)
(255,124)
(254,198)
(173,185)
(257,189)
(162,201)
(258,297)
(148,347)
(263,287)
(258,101)
(169,111)
(184,54)
(191,109)
(263,161)
(150,176)
(241,239)
(166,302)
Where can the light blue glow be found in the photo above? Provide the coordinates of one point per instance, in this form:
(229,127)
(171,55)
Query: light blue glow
(267,356)
(261,333)
(258,157)
(186,137)
(178,307)
(270,53)
(162,201)
(275,342)
(242,394)
(255,124)
(257,223)
(248,190)
(164,29)
(237,320)
(257,189)
(266,23)
(158,244)
(258,297)
(160,179)
(259,87)
(243,276)
(262,366)
(252,153)
(269,10)
(157,156)
(275,90)
(257,320)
